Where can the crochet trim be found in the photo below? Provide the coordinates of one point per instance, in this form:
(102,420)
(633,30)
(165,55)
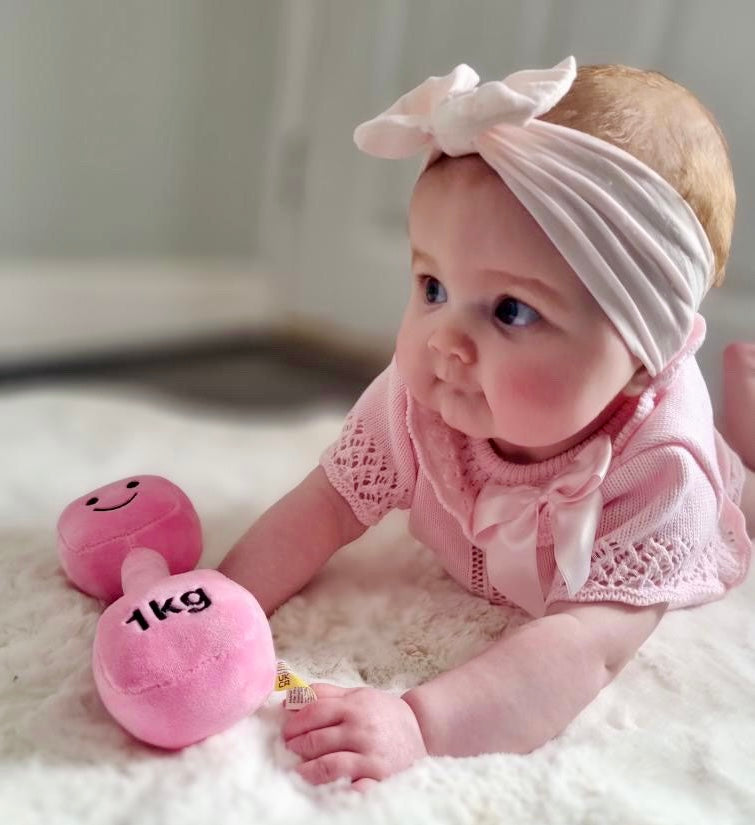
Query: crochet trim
(362,473)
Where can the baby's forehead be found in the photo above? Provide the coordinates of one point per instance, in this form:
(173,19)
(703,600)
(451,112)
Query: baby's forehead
(463,200)
(466,184)
(463,217)
(467,170)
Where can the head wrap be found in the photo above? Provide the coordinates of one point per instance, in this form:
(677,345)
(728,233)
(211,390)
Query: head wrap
(630,237)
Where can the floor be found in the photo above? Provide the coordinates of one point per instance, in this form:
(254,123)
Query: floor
(240,375)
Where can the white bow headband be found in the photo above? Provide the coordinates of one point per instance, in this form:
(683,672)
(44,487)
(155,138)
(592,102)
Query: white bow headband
(631,238)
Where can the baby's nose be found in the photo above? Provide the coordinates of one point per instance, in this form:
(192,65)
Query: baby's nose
(451,341)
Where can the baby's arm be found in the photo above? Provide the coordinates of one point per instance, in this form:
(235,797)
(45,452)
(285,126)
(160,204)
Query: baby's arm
(527,687)
(513,697)
(291,541)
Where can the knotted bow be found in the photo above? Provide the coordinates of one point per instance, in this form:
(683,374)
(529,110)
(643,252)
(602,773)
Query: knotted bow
(505,525)
(453,110)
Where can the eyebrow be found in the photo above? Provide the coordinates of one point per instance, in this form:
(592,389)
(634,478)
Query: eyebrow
(528,281)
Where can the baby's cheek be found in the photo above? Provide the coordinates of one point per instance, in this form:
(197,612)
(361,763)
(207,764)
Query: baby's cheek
(406,357)
(411,363)
(533,403)
(534,388)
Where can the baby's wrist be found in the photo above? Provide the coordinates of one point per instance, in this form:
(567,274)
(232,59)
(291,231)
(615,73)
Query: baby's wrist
(413,699)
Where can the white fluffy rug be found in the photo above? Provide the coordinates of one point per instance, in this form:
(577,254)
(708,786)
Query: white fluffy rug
(672,740)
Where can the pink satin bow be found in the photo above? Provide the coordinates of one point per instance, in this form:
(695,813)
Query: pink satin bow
(505,525)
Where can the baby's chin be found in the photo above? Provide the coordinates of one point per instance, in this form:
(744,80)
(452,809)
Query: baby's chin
(477,425)
(521,447)
(465,412)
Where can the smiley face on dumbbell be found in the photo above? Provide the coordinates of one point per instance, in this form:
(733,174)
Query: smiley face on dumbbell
(95,500)
(97,530)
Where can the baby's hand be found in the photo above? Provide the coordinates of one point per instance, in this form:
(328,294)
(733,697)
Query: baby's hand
(361,733)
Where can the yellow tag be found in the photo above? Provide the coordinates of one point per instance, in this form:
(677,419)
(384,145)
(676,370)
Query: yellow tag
(298,692)
(285,678)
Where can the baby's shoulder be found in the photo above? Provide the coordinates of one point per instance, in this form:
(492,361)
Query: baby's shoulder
(674,435)
(679,414)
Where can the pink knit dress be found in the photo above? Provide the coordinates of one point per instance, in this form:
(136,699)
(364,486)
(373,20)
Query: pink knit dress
(670,529)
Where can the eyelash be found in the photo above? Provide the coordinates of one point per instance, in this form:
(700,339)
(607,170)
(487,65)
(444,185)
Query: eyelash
(424,280)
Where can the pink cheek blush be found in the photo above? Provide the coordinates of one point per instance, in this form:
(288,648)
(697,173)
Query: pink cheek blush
(535,389)
(535,406)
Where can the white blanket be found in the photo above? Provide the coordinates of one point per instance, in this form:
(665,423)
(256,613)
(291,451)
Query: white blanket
(671,740)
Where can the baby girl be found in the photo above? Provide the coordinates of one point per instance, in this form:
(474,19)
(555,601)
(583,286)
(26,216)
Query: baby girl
(544,418)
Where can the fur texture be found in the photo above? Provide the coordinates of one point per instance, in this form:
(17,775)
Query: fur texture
(671,740)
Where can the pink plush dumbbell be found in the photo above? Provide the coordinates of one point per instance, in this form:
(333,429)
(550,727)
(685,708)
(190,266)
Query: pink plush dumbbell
(183,653)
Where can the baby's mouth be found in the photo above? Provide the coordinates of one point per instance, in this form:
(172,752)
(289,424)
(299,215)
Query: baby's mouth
(457,387)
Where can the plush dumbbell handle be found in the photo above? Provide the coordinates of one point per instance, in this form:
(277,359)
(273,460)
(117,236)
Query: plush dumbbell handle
(141,568)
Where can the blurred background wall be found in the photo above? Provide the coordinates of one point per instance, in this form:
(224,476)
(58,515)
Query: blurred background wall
(178,169)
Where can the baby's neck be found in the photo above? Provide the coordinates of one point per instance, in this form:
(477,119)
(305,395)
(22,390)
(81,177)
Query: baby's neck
(532,455)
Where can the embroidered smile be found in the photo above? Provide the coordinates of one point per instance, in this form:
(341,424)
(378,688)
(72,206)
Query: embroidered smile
(117,506)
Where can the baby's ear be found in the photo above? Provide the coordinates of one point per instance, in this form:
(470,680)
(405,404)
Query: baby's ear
(638,382)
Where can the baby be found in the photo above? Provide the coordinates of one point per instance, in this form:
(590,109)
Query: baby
(544,418)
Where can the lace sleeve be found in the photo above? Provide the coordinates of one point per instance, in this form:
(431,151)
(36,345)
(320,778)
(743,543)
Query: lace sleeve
(372,462)
(658,539)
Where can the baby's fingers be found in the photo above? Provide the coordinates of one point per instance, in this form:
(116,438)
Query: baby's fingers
(321,714)
(316,743)
(323,690)
(364,784)
(333,766)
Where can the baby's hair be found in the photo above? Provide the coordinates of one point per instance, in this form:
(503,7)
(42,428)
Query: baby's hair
(666,127)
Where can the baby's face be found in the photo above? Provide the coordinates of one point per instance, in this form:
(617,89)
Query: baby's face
(499,335)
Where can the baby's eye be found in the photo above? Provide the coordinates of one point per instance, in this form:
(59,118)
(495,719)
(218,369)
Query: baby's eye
(435,292)
(514,313)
